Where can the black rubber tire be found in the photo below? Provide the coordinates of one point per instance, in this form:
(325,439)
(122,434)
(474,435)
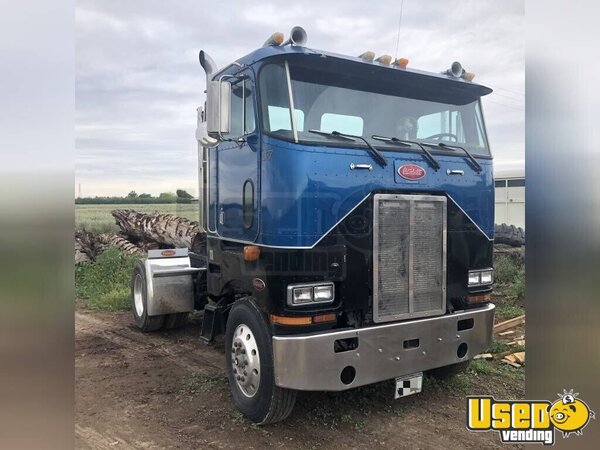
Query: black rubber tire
(175,320)
(143,321)
(445,372)
(509,235)
(271,403)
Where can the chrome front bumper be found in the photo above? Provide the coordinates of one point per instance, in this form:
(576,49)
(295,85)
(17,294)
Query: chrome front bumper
(308,362)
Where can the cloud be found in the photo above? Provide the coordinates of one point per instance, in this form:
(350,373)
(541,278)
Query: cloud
(138,81)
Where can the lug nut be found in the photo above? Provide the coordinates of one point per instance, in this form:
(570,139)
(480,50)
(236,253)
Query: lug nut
(242,379)
(243,351)
(245,373)
(238,378)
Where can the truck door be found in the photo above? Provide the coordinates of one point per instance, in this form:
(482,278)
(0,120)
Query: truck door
(237,166)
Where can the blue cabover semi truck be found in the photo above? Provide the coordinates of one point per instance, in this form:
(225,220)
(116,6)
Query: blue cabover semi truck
(347,204)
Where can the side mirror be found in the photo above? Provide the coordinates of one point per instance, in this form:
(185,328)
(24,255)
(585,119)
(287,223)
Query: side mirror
(218,107)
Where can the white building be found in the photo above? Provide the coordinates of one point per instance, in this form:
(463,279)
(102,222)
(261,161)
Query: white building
(510,197)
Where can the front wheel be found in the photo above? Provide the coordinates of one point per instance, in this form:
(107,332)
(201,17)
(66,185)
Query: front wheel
(249,359)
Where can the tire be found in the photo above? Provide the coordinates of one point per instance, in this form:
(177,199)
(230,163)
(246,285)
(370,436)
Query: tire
(139,301)
(175,320)
(445,372)
(509,235)
(251,375)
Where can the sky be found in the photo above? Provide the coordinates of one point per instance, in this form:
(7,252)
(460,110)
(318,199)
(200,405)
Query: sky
(138,80)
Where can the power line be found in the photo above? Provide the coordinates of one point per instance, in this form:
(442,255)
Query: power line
(508,90)
(399,24)
(521,100)
(504,104)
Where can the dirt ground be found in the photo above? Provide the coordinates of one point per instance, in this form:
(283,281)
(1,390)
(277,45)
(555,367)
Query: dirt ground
(168,390)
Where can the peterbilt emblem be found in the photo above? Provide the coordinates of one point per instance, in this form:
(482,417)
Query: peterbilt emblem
(411,172)
(168,253)
(258,284)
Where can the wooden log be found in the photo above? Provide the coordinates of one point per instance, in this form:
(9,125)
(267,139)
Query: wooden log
(164,229)
(506,333)
(87,244)
(123,244)
(509,324)
(510,363)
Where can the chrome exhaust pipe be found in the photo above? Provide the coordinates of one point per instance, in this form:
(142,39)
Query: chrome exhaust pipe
(208,64)
(298,36)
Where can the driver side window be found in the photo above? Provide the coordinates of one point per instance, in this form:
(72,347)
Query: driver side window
(242,109)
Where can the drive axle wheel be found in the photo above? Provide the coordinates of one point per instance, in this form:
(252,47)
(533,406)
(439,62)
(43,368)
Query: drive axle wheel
(139,298)
(249,359)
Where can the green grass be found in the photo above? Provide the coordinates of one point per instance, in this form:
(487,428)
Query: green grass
(509,286)
(105,284)
(499,347)
(97,218)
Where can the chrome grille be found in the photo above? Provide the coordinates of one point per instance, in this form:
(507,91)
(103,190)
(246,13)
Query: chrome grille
(409,256)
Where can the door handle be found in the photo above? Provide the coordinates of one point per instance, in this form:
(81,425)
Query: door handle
(361,166)
(455,172)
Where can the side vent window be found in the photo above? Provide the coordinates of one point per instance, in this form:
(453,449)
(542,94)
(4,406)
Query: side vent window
(248,203)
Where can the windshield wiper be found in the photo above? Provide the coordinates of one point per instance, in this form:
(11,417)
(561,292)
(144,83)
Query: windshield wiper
(435,164)
(478,167)
(351,137)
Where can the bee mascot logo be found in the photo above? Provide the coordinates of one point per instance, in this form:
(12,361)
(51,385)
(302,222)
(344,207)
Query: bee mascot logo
(529,421)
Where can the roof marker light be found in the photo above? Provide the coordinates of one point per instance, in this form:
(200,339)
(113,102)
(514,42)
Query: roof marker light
(367,56)
(384,59)
(468,76)
(401,63)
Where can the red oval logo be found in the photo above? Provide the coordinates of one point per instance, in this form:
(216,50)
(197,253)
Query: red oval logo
(168,253)
(411,172)
(258,284)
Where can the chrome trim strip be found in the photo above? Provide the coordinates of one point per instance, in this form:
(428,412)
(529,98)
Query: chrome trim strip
(469,217)
(291,98)
(240,241)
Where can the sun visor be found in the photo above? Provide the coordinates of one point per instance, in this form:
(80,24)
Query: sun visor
(354,73)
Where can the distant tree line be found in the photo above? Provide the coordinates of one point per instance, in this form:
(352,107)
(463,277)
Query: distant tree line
(180,196)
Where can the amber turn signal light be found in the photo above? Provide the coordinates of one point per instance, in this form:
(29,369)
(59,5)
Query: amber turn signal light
(322,318)
(302,320)
(251,253)
(293,320)
(480,298)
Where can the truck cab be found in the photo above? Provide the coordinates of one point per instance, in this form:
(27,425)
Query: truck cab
(348,209)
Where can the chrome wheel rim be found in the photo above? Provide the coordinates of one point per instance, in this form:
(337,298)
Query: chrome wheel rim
(245,360)
(138,292)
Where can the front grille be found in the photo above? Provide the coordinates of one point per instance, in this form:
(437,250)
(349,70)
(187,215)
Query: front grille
(409,256)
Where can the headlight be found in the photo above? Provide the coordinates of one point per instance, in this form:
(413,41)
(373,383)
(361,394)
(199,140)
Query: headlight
(301,294)
(323,293)
(481,277)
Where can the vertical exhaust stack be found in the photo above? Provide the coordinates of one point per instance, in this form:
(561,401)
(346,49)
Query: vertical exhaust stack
(209,66)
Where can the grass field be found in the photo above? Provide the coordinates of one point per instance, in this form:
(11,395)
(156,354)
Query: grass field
(97,218)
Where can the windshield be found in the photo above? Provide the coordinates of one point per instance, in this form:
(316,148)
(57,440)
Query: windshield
(327,101)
